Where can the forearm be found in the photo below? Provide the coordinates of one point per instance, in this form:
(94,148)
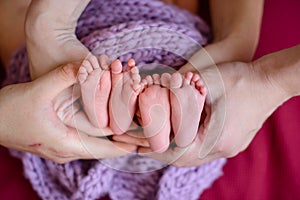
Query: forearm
(236,27)
(49,26)
(65,11)
(282,69)
(239,20)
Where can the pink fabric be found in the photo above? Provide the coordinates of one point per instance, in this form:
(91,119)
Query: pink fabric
(268,169)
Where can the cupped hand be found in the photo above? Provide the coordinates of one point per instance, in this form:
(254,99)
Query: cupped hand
(247,100)
(29,122)
(50,42)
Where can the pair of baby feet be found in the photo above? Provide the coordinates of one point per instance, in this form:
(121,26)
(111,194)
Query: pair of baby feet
(110,97)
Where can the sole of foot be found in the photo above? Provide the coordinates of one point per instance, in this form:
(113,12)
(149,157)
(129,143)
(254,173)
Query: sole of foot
(154,109)
(95,83)
(187,96)
(125,90)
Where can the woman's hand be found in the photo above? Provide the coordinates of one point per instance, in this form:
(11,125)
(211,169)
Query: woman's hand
(50,34)
(233,41)
(51,41)
(251,93)
(29,122)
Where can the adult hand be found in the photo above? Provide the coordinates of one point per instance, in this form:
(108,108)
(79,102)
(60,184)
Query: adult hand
(232,41)
(50,34)
(51,41)
(34,126)
(248,100)
(220,51)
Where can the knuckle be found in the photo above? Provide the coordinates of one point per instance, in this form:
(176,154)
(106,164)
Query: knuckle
(220,147)
(66,71)
(225,149)
(63,72)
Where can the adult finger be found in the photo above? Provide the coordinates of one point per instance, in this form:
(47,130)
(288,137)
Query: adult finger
(53,83)
(216,112)
(179,157)
(125,138)
(97,148)
(80,121)
(170,156)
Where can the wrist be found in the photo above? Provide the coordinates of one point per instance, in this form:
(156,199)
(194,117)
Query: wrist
(46,17)
(236,47)
(282,69)
(42,23)
(229,49)
(270,90)
(48,20)
(54,11)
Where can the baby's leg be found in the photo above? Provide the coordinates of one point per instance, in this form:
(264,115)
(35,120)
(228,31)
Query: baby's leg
(125,90)
(154,109)
(95,85)
(187,97)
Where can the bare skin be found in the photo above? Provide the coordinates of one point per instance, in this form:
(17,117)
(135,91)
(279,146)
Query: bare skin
(157,105)
(126,86)
(219,31)
(187,98)
(42,132)
(95,85)
(154,106)
(125,90)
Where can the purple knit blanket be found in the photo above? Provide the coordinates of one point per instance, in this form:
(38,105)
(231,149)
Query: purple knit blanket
(149,31)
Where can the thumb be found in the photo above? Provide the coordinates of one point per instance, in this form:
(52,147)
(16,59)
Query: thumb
(57,80)
(212,128)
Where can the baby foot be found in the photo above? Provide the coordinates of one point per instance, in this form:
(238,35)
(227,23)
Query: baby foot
(95,89)
(154,107)
(187,97)
(125,90)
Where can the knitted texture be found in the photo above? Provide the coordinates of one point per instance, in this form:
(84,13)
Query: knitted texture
(149,32)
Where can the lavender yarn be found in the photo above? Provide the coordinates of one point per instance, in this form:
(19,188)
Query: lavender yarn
(149,32)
